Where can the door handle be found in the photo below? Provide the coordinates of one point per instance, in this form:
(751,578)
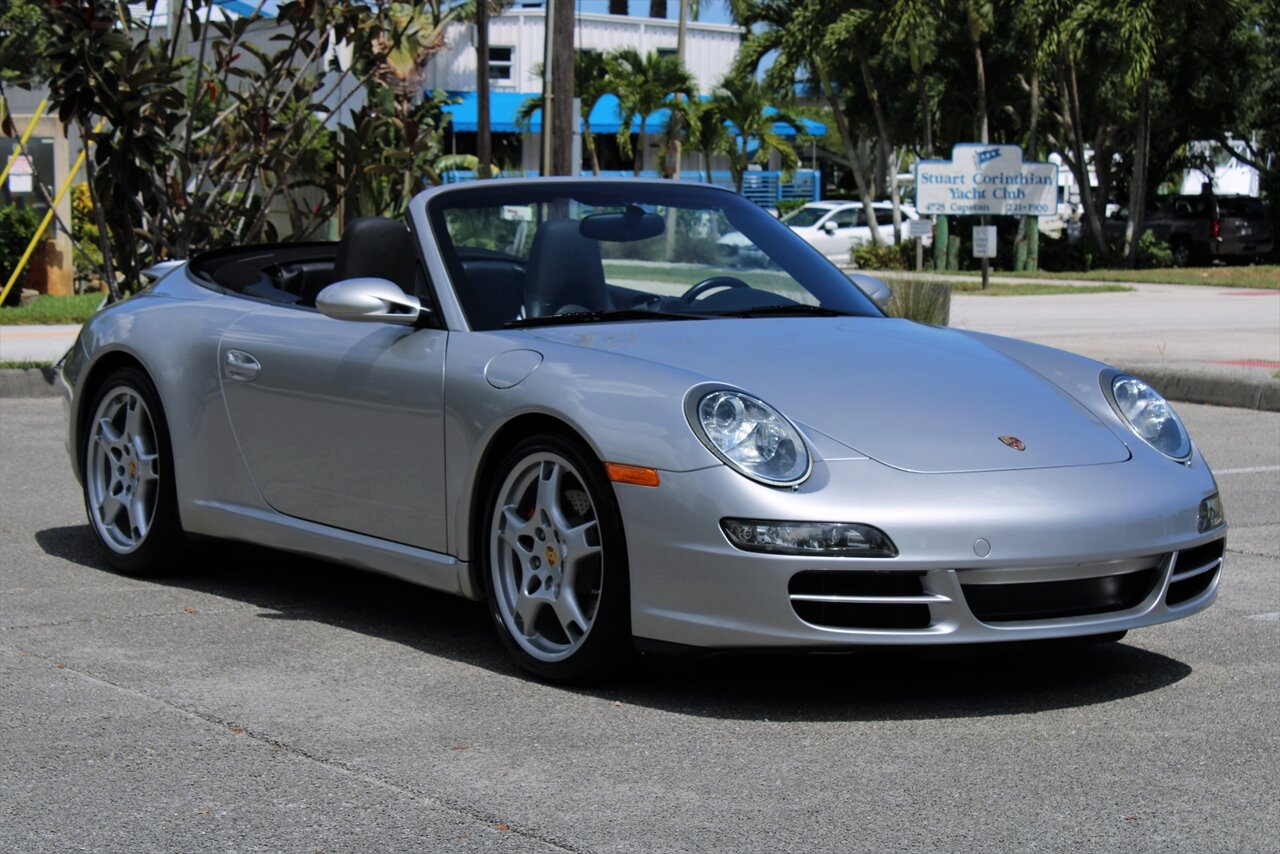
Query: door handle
(240,366)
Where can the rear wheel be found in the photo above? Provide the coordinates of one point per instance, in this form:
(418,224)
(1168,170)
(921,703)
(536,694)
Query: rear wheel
(1181,249)
(555,564)
(128,476)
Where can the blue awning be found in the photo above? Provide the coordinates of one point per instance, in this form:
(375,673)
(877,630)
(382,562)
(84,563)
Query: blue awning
(605,116)
(265,8)
(503,107)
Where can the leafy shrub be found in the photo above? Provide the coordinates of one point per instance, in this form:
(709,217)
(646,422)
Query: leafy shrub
(17,227)
(84,231)
(900,256)
(786,206)
(1153,252)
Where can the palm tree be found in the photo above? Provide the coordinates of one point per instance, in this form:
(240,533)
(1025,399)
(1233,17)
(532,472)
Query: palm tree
(591,83)
(741,103)
(795,33)
(914,24)
(644,85)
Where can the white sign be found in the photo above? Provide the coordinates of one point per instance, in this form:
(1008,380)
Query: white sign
(984,241)
(919,228)
(517,213)
(20,175)
(986,179)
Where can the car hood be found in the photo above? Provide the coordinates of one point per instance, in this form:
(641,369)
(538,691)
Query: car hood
(918,398)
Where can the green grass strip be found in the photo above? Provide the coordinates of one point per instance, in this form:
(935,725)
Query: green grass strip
(46,310)
(22,364)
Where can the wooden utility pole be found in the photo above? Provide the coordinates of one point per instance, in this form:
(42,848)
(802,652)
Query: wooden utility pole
(563,119)
(484,145)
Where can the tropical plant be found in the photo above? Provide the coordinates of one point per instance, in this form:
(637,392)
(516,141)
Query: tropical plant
(235,141)
(645,84)
(795,35)
(591,83)
(741,103)
(17,227)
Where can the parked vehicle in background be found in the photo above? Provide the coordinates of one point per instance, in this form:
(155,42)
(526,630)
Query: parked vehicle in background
(1203,228)
(835,227)
(832,227)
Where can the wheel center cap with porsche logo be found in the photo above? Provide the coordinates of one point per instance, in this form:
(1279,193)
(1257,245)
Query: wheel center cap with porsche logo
(552,557)
(1013,442)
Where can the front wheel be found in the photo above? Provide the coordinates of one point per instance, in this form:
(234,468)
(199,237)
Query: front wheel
(555,563)
(128,476)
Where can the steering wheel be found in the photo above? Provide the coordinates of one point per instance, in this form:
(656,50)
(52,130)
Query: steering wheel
(711,284)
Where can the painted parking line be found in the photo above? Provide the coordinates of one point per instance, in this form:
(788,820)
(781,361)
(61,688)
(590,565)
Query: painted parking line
(1248,470)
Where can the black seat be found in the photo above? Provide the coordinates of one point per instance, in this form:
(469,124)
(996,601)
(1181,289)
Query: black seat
(374,247)
(565,273)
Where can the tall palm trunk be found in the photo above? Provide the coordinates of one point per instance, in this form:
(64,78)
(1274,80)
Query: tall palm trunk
(842,127)
(484,149)
(886,145)
(1138,185)
(1072,87)
(639,161)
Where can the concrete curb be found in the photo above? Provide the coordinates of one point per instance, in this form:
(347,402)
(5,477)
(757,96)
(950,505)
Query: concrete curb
(28,382)
(1178,386)
(1188,387)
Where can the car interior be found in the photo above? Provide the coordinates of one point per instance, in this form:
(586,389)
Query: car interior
(294,274)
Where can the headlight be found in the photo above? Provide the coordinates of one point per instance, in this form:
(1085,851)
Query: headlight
(1149,415)
(751,436)
(828,539)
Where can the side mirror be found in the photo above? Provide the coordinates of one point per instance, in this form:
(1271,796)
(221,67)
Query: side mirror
(876,290)
(369,300)
(829,226)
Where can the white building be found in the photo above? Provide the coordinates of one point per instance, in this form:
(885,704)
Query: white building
(517,38)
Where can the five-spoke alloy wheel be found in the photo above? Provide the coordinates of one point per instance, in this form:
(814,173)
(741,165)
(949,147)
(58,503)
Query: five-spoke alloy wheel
(128,478)
(556,561)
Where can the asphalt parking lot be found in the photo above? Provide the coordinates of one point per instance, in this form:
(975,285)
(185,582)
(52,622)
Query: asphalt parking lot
(261,702)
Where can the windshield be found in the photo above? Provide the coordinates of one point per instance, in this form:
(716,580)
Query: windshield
(605,251)
(804,217)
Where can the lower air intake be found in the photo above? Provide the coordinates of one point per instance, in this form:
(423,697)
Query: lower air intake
(1047,600)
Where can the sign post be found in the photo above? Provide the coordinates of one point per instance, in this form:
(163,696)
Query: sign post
(919,229)
(986,180)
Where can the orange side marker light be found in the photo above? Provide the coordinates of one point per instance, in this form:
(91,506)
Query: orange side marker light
(619,473)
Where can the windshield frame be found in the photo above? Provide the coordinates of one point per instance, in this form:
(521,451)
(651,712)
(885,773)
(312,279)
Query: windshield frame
(790,252)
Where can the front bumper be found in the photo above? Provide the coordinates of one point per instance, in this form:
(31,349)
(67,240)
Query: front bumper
(1070,551)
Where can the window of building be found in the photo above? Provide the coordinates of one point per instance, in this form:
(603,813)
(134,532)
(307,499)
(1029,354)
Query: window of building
(666,51)
(500,62)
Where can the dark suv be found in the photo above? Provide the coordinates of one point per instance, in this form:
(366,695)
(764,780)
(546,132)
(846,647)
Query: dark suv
(1205,227)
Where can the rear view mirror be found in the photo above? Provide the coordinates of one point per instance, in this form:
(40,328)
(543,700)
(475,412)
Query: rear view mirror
(829,226)
(632,224)
(874,288)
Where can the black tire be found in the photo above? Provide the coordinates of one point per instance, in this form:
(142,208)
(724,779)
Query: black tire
(554,560)
(1182,254)
(129,493)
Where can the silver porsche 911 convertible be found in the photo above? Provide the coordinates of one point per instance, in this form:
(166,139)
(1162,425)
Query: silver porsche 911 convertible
(565,397)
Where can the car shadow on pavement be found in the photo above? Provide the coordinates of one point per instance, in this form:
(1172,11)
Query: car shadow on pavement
(870,684)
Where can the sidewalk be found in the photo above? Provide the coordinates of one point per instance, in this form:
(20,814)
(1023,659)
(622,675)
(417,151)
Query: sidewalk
(1194,343)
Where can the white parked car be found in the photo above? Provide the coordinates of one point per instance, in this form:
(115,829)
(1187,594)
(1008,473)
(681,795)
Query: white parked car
(835,227)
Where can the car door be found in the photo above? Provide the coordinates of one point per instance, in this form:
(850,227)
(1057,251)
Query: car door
(340,422)
(836,240)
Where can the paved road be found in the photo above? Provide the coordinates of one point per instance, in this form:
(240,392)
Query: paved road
(261,702)
(36,343)
(1234,333)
